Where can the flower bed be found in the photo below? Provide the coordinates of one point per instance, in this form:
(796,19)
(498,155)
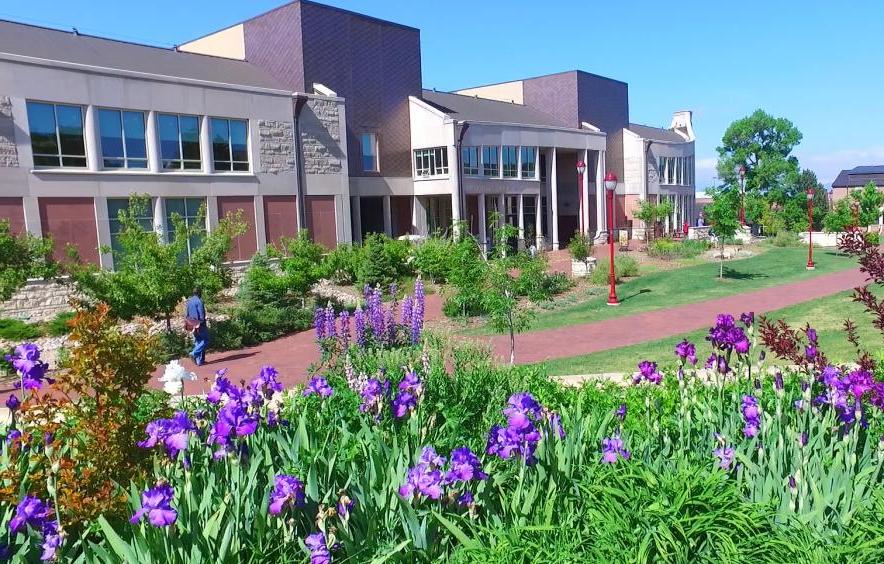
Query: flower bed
(403,449)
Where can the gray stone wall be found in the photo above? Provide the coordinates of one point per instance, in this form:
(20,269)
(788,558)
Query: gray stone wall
(321,137)
(277,146)
(8,152)
(38,301)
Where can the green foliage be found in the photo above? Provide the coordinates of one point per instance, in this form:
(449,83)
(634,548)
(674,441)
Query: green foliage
(384,260)
(301,267)
(151,276)
(172,345)
(17,330)
(466,279)
(342,264)
(580,246)
(624,267)
(763,144)
(501,301)
(839,218)
(432,258)
(22,257)
(870,200)
(786,239)
(723,216)
(535,283)
(873,238)
(669,249)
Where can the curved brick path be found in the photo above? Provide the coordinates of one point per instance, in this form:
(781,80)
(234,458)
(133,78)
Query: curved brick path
(291,355)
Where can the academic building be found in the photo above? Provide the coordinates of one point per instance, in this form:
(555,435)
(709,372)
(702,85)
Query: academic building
(312,117)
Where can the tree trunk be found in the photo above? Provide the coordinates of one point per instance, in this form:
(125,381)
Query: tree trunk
(512,338)
(721,262)
(168,323)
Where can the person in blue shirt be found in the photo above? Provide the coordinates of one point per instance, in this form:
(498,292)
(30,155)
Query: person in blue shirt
(195,318)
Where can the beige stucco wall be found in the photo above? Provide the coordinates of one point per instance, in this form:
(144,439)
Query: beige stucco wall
(505,92)
(229,43)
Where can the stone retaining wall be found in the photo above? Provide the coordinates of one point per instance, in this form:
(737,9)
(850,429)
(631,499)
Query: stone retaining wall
(38,301)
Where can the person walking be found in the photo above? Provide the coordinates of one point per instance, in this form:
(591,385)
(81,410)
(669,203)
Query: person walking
(195,321)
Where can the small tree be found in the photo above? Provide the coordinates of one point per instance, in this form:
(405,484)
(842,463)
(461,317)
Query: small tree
(723,215)
(501,296)
(869,200)
(22,257)
(302,264)
(580,247)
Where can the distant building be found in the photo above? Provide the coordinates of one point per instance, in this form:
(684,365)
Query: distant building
(313,117)
(856,178)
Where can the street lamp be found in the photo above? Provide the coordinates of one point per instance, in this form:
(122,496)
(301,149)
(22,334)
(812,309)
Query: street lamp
(741,172)
(581,168)
(610,186)
(810,265)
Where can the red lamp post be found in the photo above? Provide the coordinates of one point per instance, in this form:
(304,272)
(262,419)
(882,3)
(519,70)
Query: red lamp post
(610,186)
(581,168)
(810,265)
(741,171)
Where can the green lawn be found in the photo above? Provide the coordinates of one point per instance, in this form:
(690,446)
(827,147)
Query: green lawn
(826,315)
(663,289)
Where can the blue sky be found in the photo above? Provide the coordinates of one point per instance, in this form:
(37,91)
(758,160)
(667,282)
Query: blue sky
(817,63)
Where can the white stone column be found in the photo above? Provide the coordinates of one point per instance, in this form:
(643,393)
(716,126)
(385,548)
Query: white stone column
(388,219)
(483,220)
(538,222)
(521,218)
(455,211)
(211,213)
(102,222)
(600,217)
(260,226)
(584,205)
(159,218)
(93,143)
(419,217)
(356,210)
(31,209)
(345,222)
(554,202)
(206,146)
(152,138)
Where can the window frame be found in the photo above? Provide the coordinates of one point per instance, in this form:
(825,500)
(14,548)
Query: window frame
(522,152)
(169,228)
(231,162)
(60,155)
(180,158)
(509,169)
(467,169)
(485,164)
(433,160)
(113,220)
(125,158)
(376,154)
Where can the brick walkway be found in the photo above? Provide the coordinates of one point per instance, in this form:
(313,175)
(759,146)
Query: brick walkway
(291,355)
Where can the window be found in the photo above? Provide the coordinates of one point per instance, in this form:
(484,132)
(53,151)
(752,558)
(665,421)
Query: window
(511,210)
(122,139)
(676,170)
(179,142)
(470,156)
(510,161)
(529,162)
(529,211)
(490,162)
(431,162)
(230,142)
(369,143)
(117,205)
(192,212)
(57,135)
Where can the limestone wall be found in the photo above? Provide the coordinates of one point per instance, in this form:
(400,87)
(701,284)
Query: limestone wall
(276,146)
(321,137)
(39,300)
(8,152)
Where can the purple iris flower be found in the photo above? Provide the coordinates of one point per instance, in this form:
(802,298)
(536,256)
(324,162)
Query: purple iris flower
(778,381)
(12,435)
(417,317)
(319,553)
(741,346)
(613,450)
(222,391)
(621,412)
(465,499)
(726,336)
(830,376)
(233,421)
(810,352)
(802,440)
(26,361)
(725,456)
(464,466)
(319,323)
(345,507)
(858,383)
(648,371)
(319,386)
(748,318)
(373,394)
(288,492)
(426,478)
(156,502)
(811,335)
(521,434)
(686,351)
(523,402)
(173,433)
(410,392)
(12,402)
(751,416)
(266,383)
(30,512)
(52,540)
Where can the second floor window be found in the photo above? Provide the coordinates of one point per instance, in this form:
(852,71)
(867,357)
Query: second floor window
(470,157)
(431,162)
(529,162)
(230,144)
(510,161)
(369,145)
(57,135)
(490,162)
(122,139)
(179,142)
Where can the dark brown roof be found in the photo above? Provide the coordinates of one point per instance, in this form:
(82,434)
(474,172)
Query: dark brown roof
(64,46)
(860,176)
(472,108)
(656,133)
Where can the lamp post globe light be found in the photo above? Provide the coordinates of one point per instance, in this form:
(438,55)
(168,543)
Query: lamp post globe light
(610,187)
(581,168)
(741,172)
(810,265)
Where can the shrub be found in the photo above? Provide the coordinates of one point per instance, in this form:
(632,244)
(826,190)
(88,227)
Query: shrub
(624,267)
(60,324)
(537,284)
(432,258)
(377,267)
(399,254)
(22,257)
(664,248)
(172,345)
(580,246)
(17,330)
(342,264)
(467,274)
(691,248)
(873,238)
(302,265)
(785,238)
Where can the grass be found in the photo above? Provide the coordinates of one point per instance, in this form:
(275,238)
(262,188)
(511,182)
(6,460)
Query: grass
(663,289)
(826,315)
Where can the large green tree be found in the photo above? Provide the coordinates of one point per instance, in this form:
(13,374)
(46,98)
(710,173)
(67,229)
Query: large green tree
(763,144)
